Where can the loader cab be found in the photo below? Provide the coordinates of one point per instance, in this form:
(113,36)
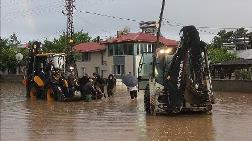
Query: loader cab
(164,56)
(47,62)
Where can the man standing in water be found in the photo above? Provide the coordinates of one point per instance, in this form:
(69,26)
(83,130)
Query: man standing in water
(111,84)
(99,83)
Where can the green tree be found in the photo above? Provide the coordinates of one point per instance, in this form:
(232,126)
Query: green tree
(226,37)
(218,55)
(14,42)
(61,44)
(7,55)
(240,33)
(8,51)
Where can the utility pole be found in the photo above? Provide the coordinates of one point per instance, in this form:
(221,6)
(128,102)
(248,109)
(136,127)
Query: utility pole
(157,42)
(69,32)
(70,28)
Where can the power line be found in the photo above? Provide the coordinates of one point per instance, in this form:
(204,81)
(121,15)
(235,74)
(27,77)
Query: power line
(110,16)
(134,20)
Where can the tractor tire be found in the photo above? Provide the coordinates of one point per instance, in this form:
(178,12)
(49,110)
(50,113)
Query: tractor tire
(35,92)
(147,100)
(32,92)
(50,95)
(59,95)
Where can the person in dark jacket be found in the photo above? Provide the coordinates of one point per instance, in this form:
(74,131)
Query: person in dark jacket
(111,85)
(90,92)
(83,81)
(99,82)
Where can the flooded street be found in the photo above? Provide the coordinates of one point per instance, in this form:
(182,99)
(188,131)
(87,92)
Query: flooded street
(119,119)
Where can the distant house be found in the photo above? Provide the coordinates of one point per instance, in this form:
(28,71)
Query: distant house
(231,69)
(91,58)
(118,55)
(124,51)
(242,47)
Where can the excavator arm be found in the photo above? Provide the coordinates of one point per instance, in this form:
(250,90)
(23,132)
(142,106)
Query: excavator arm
(187,73)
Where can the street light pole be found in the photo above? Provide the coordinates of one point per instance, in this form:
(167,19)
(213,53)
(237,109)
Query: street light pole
(70,28)
(158,38)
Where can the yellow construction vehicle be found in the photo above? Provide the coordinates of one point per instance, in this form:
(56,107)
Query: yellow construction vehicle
(49,77)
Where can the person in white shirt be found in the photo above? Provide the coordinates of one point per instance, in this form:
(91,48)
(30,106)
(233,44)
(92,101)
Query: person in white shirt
(133,92)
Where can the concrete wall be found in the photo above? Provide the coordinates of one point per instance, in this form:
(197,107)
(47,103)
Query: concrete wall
(137,58)
(129,64)
(96,61)
(233,85)
(11,78)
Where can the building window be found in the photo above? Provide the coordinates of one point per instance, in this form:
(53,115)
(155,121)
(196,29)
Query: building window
(137,49)
(149,48)
(119,69)
(86,56)
(116,50)
(125,49)
(143,47)
(120,49)
(97,70)
(128,49)
(110,50)
(83,71)
(102,58)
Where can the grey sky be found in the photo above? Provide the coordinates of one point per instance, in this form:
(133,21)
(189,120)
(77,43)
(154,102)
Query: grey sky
(37,20)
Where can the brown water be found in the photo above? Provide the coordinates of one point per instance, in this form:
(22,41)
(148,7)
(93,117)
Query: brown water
(119,119)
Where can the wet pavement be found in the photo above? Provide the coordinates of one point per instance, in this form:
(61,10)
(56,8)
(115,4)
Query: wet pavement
(119,119)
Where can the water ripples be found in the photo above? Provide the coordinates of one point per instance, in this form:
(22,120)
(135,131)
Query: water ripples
(118,119)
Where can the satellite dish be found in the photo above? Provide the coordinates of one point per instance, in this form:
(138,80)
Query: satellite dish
(19,57)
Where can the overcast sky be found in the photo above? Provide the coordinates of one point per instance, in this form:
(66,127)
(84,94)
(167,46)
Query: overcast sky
(41,19)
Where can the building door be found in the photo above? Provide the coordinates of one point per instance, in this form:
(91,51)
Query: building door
(119,70)
(83,69)
(97,70)
(119,66)
(103,72)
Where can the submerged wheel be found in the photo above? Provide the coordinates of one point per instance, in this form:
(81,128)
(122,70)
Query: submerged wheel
(33,92)
(55,94)
(208,110)
(147,100)
(49,94)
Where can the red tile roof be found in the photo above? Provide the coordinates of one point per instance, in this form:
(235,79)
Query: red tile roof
(89,47)
(142,37)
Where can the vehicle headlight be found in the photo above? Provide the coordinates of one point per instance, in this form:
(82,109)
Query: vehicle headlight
(165,51)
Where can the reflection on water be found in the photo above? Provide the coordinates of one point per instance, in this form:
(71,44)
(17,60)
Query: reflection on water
(119,119)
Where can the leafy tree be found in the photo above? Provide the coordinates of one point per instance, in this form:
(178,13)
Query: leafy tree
(229,37)
(14,42)
(225,36)
(217,42)
(80,37)
(8,51)
(218,55)
(7,55)
(61,44)
(240,33)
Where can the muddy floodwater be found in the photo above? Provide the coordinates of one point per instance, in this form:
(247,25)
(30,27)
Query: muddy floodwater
(118,119)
